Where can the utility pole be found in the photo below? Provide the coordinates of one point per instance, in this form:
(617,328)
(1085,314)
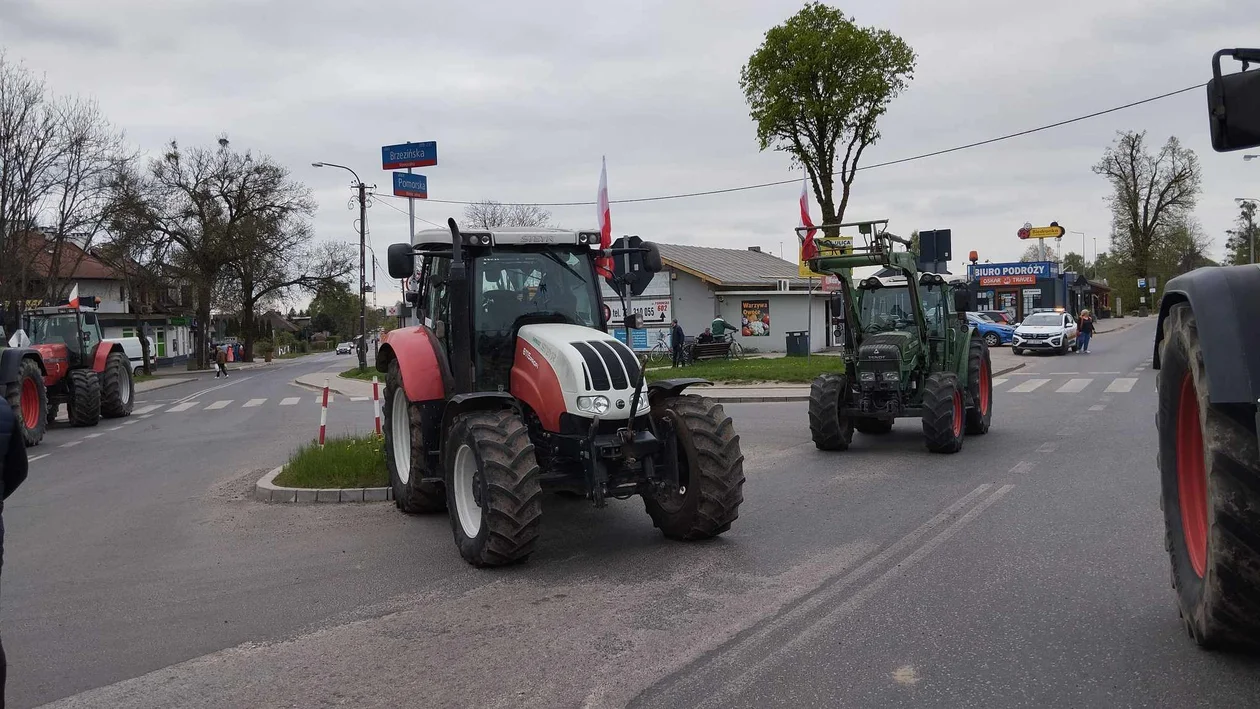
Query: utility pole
(362,188)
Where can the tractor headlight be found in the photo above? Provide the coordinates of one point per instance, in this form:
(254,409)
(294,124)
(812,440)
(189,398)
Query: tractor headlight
(867,376)
(593,404)
(892,376)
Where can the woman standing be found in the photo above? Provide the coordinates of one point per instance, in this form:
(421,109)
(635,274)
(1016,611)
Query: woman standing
(1086,331)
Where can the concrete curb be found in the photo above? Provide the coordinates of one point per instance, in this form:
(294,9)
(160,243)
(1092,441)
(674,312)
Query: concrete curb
(265,491)
(154,384)
(340,385)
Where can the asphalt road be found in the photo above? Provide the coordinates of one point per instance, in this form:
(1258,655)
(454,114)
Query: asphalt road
(1027,570)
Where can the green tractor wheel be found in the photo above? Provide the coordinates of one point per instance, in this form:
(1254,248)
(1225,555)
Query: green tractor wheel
(979,389)
(830,430)
(943,413)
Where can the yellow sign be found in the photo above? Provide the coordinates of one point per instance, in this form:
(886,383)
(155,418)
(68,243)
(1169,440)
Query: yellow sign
(1041,232)
(845,246)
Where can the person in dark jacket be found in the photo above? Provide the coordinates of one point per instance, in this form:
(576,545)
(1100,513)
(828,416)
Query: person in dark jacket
(1086,331)
(679,341)
(12,473)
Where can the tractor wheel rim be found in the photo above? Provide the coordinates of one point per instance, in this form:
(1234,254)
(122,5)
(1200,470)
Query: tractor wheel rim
(986,388)
(124,376)
(466,492)
(29,398)
(1192,477)
(400,424)
(958,413)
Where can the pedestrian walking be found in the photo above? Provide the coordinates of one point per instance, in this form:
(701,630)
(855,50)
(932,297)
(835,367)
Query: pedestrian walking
(12,472)
(1086,331)
(220,358)
(679,341)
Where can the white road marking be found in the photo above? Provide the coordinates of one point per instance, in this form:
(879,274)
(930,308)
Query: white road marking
(253,402)
(1121,385)
(38,457)
(93,435)
(359,398)
(1098,407)
(182,407)
(1139,369)
(1047,447)
(1022,467)
(1103,372)
(146,409)
(1062,374)
(116,428)
(1030,385)
(146,416)
(128,423)
(71,444)
(1074,385)
(999,381)
(218,405)
(290,400)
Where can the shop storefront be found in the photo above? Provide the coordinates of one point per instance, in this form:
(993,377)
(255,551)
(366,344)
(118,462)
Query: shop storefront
(1017,288)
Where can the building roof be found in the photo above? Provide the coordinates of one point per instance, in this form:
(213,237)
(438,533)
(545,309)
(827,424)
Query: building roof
(72,263)
(731,267)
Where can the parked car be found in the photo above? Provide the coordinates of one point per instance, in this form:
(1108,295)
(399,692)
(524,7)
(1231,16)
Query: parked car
(1000,317)
(1048,331)
(345,348)
(994,334)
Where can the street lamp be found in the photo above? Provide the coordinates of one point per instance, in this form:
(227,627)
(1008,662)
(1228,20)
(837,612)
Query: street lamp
(362,257)
(1082,247)
(1251,224)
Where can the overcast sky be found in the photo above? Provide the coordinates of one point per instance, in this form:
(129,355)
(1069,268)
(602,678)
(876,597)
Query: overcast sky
(524,98)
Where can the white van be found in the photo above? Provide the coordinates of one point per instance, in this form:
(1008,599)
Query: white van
(135,352)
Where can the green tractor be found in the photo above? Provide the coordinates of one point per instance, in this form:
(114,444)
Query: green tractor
(909,351)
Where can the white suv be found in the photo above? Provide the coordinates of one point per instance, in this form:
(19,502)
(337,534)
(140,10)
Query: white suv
(1049,331)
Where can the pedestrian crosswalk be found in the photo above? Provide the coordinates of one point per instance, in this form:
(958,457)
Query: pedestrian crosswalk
(180,407)
(1049,384)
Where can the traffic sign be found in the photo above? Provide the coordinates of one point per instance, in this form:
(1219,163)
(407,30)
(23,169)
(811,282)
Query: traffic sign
(1141,283)
(409,185)
(1054,231)
(396,157)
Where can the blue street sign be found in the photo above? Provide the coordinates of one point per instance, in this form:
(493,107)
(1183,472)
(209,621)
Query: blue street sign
(397,157)
(409,185)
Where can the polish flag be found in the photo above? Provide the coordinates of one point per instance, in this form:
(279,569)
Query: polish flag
(603,265)
(808,248)
(74,296)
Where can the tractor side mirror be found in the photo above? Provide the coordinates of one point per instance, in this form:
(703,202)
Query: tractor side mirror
(401,259)
(411,297)
(1234,103)
(652,258)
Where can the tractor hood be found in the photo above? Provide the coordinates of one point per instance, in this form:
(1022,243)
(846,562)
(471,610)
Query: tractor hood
(593,371)
(896,346)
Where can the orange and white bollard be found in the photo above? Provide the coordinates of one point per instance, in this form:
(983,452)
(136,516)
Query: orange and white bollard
(376,405)
(323,415)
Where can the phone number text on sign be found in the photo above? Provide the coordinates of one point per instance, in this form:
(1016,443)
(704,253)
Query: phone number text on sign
(654,312)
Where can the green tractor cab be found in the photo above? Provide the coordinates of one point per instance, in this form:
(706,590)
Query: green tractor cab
(909,351)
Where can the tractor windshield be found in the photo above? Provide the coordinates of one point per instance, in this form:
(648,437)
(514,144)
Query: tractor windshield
(60,329)
(886,309)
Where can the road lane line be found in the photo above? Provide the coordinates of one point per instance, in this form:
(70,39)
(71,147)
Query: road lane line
(1074,386)
(359,398)
(128,423)
(253,402)
(1047,447)
(1022,467)
(38,457)
(116,428)
(146,409)
(1121,385)
(218,405)
(203,392)
(182,407)
(290,400)
(1000,381)
(71,444)
(1098,407)
(1030,385)
(94,435)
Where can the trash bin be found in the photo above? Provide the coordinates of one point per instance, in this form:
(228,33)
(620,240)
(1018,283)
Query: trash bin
(798,344)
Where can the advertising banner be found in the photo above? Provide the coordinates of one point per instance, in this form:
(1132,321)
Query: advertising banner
(655,311)
(1012,274)
(644,339)
(756,318)
(836,246)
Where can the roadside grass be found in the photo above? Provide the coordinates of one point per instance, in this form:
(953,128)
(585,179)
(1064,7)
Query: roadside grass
(351,461)
(794,370)
(366,375)
(142,377)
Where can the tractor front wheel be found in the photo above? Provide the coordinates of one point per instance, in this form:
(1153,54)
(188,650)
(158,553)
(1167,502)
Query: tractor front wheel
(492,488)
(710,471)
(405,454)
(980,388)
(29,399)
(118,389)
(85,398)
(943,413)
(830,430)
(1209,463)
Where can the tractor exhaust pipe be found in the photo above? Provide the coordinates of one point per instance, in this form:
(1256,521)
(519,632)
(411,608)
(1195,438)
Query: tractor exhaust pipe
(460,328)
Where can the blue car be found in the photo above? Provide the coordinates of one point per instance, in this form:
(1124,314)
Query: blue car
(993,333)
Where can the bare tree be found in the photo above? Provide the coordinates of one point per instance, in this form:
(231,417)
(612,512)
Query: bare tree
(492,215)
(1033,253)
(1149,193)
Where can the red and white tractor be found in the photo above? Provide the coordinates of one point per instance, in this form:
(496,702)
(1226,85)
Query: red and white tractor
(510,385)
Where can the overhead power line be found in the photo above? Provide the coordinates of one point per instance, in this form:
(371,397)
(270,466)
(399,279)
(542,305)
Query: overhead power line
(761,185)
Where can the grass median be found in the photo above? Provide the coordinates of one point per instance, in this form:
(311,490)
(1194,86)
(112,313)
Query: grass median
(364,376)
(348,462)
(791,370)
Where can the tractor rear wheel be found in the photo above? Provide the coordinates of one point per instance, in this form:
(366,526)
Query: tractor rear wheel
(943,413)
(117,387)
(405,454)
(710,471)
(492,487)
(980,389)
(1209,463)
(873,427)
(85,398)
(830,430)
(29,399)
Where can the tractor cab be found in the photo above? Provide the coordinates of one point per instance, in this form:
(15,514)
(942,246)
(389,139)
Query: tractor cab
(76,331)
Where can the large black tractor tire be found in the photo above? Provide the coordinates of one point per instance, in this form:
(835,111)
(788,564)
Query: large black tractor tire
(830,430)
(1209,463)
(492,487)
(31,414)
(979,388)
(710,471)
(943,413)
(118,390)
(405,451)
(873,427)
(85,398)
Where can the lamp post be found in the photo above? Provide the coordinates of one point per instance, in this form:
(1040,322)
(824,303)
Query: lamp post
(1251,222)
(358,184)
(1083,254)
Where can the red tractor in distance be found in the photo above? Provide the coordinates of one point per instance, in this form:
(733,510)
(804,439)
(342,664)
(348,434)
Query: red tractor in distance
(66,362)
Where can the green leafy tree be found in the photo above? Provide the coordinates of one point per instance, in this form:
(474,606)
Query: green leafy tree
(1073,263)
(817,86)
(335,309)
(1239,245)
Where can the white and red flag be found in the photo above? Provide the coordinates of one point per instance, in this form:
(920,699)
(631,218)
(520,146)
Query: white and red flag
(604,265)
(808,248)
(74,296)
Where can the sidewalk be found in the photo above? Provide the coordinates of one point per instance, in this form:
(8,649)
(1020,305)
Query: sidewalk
(339,385)
(1103,327)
